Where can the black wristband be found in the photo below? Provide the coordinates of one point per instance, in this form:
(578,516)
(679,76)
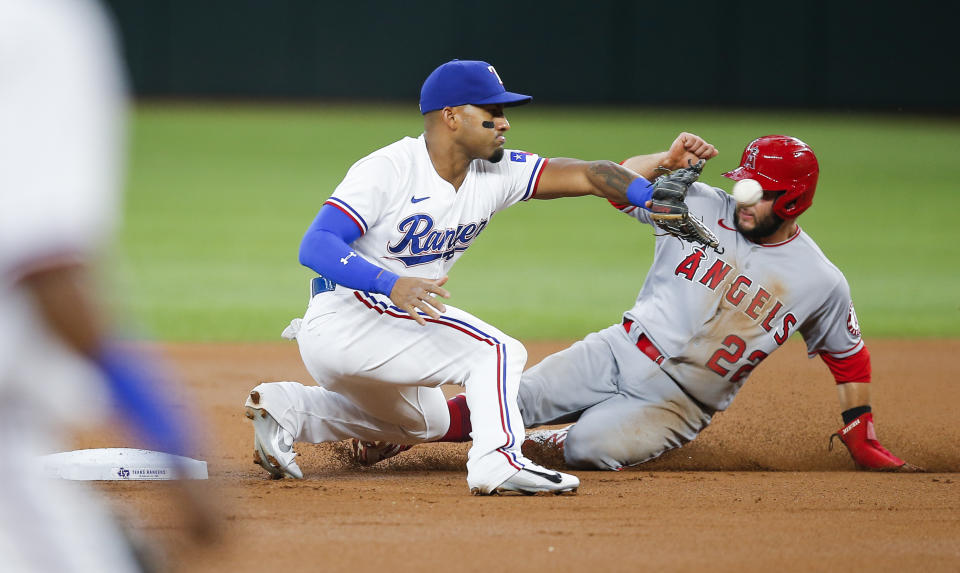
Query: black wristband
(854,413)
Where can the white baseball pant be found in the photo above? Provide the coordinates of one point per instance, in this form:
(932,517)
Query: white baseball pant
(379,372)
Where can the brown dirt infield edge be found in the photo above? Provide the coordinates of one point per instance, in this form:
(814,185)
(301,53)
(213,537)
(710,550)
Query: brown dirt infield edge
(757,491)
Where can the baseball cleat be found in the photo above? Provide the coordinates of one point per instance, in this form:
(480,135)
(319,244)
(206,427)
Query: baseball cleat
(546,446)
(535,480)
(369,453)
(272,445)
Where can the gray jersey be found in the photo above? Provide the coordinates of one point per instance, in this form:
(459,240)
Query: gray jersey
(711,318)
(714,317)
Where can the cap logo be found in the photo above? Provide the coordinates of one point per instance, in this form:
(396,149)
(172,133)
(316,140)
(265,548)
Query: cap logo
(495,74)
(751,160)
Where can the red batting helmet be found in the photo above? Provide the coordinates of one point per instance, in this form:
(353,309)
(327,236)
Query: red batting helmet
(781,163)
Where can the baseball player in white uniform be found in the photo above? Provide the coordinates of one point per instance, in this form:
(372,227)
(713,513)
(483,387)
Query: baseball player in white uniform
(377,338)
(702,322)
(61,111)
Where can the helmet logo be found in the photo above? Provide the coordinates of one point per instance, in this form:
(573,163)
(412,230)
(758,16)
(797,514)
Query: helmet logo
(751,161)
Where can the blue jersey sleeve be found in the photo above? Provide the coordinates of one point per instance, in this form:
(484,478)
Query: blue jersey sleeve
(326,249)
(137,391)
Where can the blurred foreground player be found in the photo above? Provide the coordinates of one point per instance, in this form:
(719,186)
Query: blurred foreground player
(61,112)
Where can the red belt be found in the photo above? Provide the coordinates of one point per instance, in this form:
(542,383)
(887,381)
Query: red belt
(644,344)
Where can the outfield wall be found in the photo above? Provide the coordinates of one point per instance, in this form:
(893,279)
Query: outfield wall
(815,54)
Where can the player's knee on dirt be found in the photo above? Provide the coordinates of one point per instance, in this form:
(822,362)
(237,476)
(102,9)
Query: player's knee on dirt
(615,446)
(587,453)
(420,412)
(600,454)
(433,425)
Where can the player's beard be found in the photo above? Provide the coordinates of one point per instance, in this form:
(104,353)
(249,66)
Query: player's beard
(762,228)
(497,155)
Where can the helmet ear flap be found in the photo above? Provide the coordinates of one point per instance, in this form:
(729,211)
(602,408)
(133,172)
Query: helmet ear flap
(785,206)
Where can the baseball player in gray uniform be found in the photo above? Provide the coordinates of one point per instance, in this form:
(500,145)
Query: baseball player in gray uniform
(377,338)
(704,319)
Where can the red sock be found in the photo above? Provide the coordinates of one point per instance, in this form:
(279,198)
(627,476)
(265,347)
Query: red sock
(459,420)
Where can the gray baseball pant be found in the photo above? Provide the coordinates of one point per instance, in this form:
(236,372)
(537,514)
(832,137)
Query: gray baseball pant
(627,410)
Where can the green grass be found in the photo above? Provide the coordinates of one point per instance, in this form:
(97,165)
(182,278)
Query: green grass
(219,196)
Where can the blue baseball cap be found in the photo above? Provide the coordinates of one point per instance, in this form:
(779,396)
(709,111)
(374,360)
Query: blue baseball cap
(461,82)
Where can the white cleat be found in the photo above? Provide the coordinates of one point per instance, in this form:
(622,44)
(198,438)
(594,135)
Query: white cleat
(272,445)
(369,453)
(534,480)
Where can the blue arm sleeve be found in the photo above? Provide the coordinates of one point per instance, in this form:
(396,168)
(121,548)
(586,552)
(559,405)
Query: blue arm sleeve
(326,249)
(639,192)
(132,383)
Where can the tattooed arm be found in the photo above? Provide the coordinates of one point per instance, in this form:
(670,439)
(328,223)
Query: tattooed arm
(564,177)
(572,178)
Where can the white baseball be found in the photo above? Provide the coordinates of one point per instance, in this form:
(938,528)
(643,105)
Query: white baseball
(747,192)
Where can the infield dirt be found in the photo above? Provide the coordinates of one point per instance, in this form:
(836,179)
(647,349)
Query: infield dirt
(757,491)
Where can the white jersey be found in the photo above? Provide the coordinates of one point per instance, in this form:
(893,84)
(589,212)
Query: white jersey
(414,223)
(378,372)
(60,117)
(60,103)
(61,112)
(714,317)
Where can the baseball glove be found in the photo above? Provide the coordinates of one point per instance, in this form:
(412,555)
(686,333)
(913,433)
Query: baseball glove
(671,214)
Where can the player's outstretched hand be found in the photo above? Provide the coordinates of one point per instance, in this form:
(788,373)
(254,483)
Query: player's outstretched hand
(686,150)
(414,294)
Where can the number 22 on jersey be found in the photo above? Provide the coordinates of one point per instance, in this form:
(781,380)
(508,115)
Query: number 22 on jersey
(731,351)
